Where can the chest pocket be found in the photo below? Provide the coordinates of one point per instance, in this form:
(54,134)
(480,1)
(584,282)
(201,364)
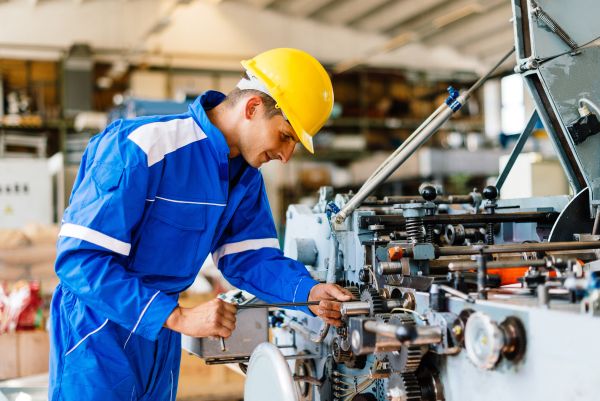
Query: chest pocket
(169,240)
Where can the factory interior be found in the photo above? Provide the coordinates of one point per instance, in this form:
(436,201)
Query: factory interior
(425,228)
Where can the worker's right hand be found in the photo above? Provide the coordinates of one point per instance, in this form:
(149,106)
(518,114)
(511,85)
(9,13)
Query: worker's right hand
(215,318)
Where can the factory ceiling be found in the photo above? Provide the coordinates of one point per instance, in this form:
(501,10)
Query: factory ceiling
(433,35)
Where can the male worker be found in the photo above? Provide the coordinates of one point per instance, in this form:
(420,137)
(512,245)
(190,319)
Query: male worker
(154,196)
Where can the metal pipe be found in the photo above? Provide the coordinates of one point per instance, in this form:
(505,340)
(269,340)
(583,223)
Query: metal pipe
(456,293)
(395,221)
(497,264)
(384,268)
(481,276)
(419,137)
(412,136)
(510,248)
(419,335)
(441,200)
(404,152)
(355,308)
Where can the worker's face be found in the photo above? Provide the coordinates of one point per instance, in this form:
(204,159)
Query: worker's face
(265,138)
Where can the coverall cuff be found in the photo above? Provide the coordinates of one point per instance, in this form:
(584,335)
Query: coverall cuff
(302,291)
(156,315)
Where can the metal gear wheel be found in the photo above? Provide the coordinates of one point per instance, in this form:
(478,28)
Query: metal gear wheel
(354,291)
(375,300)
(404,387)
(408,358)
(339,355)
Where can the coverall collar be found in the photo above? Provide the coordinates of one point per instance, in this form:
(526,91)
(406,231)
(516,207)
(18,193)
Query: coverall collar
(209,100)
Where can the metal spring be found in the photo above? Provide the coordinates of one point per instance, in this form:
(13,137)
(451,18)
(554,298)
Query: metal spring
(415,229)
(554,27)
(489,234)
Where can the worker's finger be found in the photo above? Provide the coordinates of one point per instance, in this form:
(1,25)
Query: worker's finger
(339,293)
(223,332)
(229,324)
(328,313)
(327,304)
(228,317)
(231,308)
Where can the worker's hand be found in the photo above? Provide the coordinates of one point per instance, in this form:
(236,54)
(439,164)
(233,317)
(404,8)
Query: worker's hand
(215,318)
(330,296)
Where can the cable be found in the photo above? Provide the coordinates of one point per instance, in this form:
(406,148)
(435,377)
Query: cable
(542,61)
(417,314)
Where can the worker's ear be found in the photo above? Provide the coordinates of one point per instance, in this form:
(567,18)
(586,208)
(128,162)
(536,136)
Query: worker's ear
(252,105)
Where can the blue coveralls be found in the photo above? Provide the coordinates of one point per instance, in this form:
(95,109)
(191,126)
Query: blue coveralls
(153,197)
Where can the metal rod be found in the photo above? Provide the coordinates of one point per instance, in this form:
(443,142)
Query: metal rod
(498,264)
(517,149)
(355,308)
(440,200)
(405,151)
(278,305)
(384,268)
(510,248)
(422,334)
(442,114)
(456,293)
(596,221)
(481,276)
(392,221)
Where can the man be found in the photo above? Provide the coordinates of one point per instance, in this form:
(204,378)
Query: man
(153,197)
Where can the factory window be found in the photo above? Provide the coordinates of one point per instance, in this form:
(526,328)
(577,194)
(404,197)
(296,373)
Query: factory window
(513,104)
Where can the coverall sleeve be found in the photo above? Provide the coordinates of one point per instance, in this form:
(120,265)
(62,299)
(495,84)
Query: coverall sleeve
(249,257)
(95,241)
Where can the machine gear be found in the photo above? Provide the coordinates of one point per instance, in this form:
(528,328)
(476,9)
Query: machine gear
(409,356)
(404,387)
(376,301)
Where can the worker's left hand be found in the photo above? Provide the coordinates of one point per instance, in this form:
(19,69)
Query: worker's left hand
(330,296)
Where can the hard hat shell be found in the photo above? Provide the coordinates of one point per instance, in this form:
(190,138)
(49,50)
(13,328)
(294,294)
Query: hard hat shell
(300,86)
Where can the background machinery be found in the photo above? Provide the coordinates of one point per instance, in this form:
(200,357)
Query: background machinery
(463,297)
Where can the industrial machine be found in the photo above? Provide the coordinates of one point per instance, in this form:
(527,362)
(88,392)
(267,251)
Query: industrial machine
(461,297)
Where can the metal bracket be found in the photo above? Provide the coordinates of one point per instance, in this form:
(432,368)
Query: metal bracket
(517,149)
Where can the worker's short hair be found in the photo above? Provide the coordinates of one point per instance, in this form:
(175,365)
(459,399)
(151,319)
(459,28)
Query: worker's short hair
(271,109)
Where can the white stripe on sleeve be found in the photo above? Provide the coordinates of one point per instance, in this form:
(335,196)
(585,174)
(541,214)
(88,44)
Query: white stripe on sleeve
(237,247)
(95,237)
(140,318)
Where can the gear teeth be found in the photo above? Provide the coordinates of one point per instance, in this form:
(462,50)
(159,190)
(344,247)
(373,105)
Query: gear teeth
(339,355)
(411,387)
(409,357)
(375,300)
(354,291)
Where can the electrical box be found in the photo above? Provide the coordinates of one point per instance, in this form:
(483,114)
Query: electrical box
(26,192)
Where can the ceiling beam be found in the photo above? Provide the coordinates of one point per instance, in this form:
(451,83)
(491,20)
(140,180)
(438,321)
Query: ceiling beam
(300,8)
(343,12)
(442,16)
(473,26)
(395,14)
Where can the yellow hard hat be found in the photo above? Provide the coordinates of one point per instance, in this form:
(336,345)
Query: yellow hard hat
(300,86)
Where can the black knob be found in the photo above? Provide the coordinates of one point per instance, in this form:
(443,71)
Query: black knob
(490,192)
(428,193)
(364,275)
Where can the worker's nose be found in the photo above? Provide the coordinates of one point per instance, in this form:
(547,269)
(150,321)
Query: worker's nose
(286,152)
